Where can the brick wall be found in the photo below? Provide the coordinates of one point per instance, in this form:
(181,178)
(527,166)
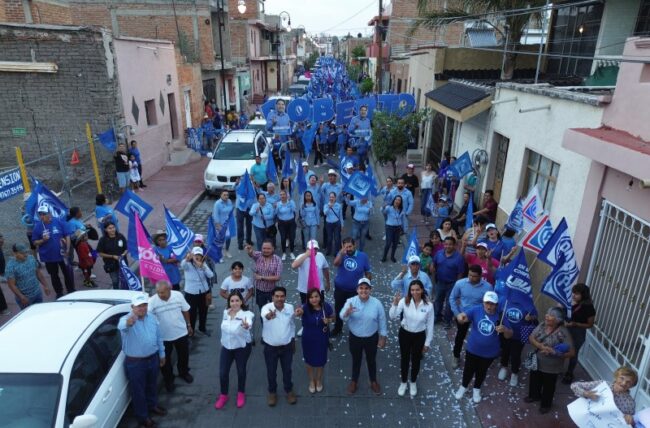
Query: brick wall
(54,105)
(3,11)
(251,9)
(399,26)
(238,37)
(49,13)
(189,77)
(12,10)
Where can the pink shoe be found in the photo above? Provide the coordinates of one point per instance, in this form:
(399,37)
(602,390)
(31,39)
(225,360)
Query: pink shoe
(223,399)
(241,399)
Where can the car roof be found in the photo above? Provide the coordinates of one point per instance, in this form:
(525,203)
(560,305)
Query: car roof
(111,297)
(39,338)
(241,136)
(257,121)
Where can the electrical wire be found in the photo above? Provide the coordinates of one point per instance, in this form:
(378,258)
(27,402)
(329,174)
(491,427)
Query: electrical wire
(350,17)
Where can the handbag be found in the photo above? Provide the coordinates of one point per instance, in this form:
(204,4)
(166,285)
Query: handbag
(530,362)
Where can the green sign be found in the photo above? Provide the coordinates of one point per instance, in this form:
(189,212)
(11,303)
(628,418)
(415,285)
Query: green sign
(19,132)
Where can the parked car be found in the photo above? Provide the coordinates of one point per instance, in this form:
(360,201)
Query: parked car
(234,154)
(62,364)
(297,89)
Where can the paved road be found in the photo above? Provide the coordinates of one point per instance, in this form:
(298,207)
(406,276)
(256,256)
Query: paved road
(434,406)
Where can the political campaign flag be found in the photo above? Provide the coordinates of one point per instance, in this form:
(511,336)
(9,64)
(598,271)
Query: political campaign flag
(313,280)
(287,170)
(531,208)
(538,235)
(231,226)
(42,196)
(301,184)
(179,236)
(516,218)
(150,266)
(371,174)
(469,215)
(461,167)
(558,253)
(132,236)
(130,201)
(430,204)
(359,185)
(517,281)
(413,247)
(216,241)
(128,278)
(271,171)
(308,138)
(108,140)
(245,189)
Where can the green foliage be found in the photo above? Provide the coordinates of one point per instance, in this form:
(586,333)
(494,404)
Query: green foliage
(354,71)
(366,85)
(311,60)
(357,52)
(391,134)
(188,48)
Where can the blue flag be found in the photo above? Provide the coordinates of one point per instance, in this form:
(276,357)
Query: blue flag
(42,196)
(413,247)
(469,215)
(516,219)
(216,241)
(129,202)
(271,171)
(128,278)
(287,170)
(359,185)
(558,253)
(107,139)
(517,281)
(179,236)
(132,238)
(461,167)
(231,226)
(245,189)
(431,205)
(301,184)
(371,174)
(308,138)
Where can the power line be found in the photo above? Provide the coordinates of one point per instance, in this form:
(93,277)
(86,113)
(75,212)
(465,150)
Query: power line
(350,17)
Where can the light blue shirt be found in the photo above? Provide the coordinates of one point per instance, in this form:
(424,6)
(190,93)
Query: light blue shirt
(368,318)
(469,294)
(257,211)
(407,198)
(221,211)
(328,188)
(315,193)
(286,210)
(143,338)
(272,199)
(333,214)
(359,127)
(309,214)
(282,123)
(402,285)
(385,193)
(258,173)
(361,211)
(395,217)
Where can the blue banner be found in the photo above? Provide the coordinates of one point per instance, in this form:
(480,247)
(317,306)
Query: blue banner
(271,171)
(132,238)
(461,167)
(108,140)
(245,188)
(558,253)
(300,182)
(179,236)
(128,278)
(216,241)
(359,185)
(130,201)
(11,184)
(42,196)
(287,170)
(413,247)
(516,219)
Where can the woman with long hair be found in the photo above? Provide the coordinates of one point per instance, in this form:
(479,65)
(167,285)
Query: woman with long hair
(395,225)
(426,189)
(583,316)
(310,216)
(286,210)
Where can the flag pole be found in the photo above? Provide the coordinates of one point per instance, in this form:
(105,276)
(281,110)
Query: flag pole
(503,313)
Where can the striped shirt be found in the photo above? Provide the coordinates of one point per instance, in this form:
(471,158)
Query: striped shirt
(266,266)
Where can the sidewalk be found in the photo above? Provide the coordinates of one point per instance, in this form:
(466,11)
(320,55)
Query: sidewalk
(502,405)
(176,187)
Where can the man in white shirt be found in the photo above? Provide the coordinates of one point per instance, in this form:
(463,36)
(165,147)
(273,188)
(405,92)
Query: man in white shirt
(279,344)
(172,312)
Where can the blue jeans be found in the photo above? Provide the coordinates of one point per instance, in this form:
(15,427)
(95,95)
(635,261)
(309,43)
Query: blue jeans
(311,232)
(240,357)
(115,280)
(392,239)
(260,234)
(32,300)
(442,299)
(273,354)
(359,232)
(425,193)
(332,237)
(142,374)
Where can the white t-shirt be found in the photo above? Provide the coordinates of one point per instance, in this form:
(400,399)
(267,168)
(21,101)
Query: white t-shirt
(169,315)
(303,272)
(230,284)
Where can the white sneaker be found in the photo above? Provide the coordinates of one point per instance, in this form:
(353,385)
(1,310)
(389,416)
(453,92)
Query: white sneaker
(299,334)
(503,373)
(514,380)
(93,276)
(455,362)
(284,257)
(383,238)
(461,391)
(228,254)
(413,389)
(476,395)
(402,389)
(293,256)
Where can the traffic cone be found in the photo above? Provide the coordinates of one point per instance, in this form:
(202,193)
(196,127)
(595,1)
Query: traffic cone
(75,157)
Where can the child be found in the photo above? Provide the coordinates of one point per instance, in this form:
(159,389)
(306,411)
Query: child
(426,259)
(442,211)
(85,255)
(134,174)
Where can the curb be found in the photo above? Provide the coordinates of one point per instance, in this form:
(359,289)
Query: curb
(196,200)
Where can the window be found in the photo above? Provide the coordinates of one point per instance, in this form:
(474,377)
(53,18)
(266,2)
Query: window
(542,172)
(29,399)
(643,19)
(150,109)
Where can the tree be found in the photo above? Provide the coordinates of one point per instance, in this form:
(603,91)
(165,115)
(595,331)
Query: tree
(391,134)
(354,71)
(358,51)
(366,86)
(311,60)
(472,10)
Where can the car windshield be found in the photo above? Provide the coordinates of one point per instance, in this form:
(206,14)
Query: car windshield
(256,126)
(29,400)
(234,151)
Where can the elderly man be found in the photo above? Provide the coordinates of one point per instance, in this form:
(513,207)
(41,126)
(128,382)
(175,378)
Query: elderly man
(144,352)
(366,320)
(272,197)
(172,312)
(403,280)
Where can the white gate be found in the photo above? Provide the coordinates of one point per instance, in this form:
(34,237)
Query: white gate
(619,279)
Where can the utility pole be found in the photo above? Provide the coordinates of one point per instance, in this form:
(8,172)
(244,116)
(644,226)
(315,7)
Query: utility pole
(222,71)
(379,32)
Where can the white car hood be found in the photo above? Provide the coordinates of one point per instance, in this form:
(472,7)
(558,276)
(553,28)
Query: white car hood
(229,168)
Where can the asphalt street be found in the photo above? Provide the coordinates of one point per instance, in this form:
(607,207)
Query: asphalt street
(192,405)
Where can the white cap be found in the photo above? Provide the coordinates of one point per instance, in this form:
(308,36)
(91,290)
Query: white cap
(414,259)
(331,171)
(490,226)
(364,280)
(410,166)
(349,165)
(198,237)
(44,208)
(305,163)
(197,250)
(491,297)
(442,198)
(139,299)
(312,244)
(482,245)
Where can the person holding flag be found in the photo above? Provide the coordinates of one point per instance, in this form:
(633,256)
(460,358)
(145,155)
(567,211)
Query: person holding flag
(246,194)
(111,247)
(197,287)
(221,214)
(410,273)
(168,259)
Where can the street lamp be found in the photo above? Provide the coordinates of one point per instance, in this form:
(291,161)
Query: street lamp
(288,19)
(241,6)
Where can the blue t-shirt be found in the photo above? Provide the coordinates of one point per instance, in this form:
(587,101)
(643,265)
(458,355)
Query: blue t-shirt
(351,270)
(448,268)
(50,250)
(171,269)
(502,247)
(515,314)
(484,339)
(258,173)
(24,273)
(101,212)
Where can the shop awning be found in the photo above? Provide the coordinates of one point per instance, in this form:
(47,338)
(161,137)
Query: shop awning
(459,102)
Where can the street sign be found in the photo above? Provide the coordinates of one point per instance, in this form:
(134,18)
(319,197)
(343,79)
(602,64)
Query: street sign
(19,132)
(11,184)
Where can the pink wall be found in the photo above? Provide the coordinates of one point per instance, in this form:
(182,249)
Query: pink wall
(143,67)
(628,110)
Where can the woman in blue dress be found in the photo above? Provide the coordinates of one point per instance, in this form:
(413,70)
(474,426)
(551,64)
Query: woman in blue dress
(316,316)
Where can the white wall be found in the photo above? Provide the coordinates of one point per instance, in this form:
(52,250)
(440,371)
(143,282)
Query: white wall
(619,20)
(471,136)
(542,131)
(421,72)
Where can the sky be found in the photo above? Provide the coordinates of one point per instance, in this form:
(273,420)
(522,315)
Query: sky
(334,17)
